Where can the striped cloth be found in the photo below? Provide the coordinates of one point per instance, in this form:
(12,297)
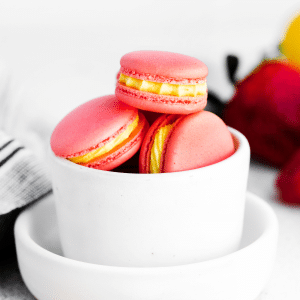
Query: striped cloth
(23,180)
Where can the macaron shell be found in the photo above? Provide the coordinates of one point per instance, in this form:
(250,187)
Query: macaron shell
(160,103)
(144,159)
(124,151)
(91,125)
(162,66)
(198,140)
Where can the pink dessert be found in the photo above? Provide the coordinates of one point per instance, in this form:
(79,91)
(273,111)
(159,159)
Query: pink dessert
(162,82)
(179,142)
(101,133)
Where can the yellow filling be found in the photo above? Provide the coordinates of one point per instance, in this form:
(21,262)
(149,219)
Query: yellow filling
(179,90)
(157,148)
(108,147)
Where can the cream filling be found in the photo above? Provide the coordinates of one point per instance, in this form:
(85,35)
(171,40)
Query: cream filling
(107,147)
(157,148)
(179,90)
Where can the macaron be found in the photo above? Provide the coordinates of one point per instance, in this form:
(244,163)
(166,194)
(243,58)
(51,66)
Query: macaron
(101,133)
(163,82)
(185,142)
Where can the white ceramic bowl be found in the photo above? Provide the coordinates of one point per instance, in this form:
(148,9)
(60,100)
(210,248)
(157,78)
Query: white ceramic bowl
(151,220)
(238,276)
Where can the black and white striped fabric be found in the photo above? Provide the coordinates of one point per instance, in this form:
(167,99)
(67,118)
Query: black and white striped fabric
(23,180)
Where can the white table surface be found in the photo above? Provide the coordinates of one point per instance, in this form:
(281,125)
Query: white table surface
(284,281)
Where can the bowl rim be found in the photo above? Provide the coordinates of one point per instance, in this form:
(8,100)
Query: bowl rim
(22,236)
(241,146)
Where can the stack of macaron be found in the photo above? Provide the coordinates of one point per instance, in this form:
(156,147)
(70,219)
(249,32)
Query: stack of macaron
(171,88)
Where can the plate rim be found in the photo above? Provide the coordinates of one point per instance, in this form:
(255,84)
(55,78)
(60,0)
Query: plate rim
(22,236)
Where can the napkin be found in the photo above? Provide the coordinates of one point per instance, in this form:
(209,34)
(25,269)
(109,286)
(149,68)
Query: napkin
(23,180)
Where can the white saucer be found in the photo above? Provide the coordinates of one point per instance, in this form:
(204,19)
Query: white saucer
(240,275)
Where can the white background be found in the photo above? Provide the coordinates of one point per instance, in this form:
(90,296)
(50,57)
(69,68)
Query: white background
(57,54)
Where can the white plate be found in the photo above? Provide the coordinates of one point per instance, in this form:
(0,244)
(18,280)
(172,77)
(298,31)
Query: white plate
(240,275)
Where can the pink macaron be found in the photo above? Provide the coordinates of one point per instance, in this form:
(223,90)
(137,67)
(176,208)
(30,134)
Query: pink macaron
(101,133)
(162,82)
(185,142)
